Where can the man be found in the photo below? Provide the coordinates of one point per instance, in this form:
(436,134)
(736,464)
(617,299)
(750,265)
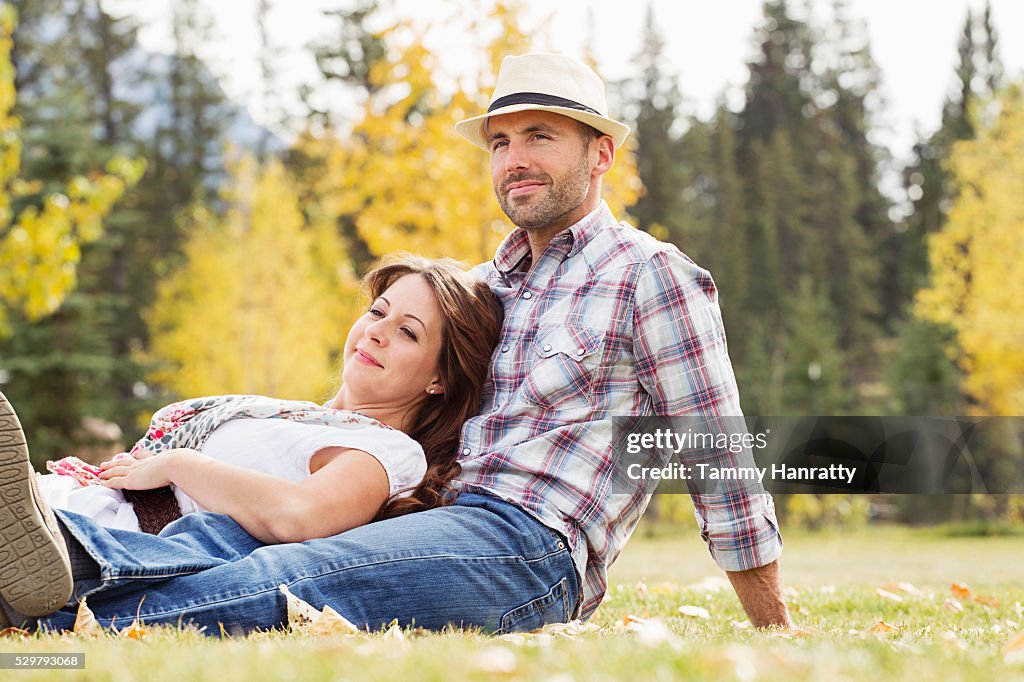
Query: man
(601,320)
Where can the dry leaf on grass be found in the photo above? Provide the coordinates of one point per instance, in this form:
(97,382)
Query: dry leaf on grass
(571,630)
(905,587)
(883,628)
(694,611)
(987,601)
(12,632)
(886,594)
(793,633)
(1013,651)
(629,619)
(135,631)
(86,624)
(654,633)
(960,590)
(303,617)
(953,605)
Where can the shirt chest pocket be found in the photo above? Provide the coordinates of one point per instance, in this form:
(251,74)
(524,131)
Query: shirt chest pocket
(563,364)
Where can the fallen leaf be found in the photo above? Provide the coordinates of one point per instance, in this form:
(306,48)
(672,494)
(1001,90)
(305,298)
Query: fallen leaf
(886,594)
(905,587)
(960,590)
(694,611)
(793,633)
(654,633)
(1015,644)
(394,631)
(987,601)
(953,605)
(135,631)
(571,630)
(330,623)
(1013,651)
(495,659)
(304,617)
(12,632)
(86,624)
(628,619)
(883,628)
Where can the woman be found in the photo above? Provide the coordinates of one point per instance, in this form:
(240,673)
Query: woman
(287,471)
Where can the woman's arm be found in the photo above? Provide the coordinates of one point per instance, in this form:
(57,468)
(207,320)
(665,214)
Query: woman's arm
(346,492)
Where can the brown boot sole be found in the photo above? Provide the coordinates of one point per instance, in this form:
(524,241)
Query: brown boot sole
(35,574)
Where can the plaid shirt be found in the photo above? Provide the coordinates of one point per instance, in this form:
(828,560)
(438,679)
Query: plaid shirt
(609,321)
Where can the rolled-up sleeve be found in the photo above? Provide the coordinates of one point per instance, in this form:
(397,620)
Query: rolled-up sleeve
(683,363)
(741,531)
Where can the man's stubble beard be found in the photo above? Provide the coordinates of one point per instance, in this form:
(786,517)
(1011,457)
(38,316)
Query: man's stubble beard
(563,196)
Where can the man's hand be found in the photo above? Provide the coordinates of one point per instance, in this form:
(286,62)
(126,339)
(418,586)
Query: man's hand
(760,592)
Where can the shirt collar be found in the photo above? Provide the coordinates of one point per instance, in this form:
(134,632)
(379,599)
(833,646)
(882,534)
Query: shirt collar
(516,246)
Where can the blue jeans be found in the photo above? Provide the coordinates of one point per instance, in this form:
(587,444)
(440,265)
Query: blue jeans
(480,562)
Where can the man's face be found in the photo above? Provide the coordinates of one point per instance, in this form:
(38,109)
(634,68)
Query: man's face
(542,170)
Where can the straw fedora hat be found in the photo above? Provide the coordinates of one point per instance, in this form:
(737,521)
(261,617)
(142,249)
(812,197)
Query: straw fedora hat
(546,82)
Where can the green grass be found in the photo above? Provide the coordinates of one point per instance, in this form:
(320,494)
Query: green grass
(831,581)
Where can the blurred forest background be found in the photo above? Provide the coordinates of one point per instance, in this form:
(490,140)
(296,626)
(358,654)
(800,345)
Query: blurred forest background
(155,243)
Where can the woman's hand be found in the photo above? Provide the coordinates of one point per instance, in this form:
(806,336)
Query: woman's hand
(144,471)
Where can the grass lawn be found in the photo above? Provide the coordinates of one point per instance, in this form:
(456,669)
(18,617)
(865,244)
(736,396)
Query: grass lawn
(833,582)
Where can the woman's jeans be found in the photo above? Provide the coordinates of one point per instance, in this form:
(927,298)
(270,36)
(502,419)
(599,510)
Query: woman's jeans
(480,562)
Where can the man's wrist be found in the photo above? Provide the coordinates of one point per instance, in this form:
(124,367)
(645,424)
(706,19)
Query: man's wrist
(760,592)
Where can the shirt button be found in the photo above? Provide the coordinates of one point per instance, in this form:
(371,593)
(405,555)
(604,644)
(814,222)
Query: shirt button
(466,451)
(547,347)
(581,351)
(504,349)
(528,295)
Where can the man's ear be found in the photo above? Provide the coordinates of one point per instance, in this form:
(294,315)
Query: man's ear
(605,154)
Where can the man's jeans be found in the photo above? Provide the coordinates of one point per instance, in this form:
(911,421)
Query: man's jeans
(480,562)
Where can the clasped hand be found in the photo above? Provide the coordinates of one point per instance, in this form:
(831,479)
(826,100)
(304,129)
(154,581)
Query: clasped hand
(141,470)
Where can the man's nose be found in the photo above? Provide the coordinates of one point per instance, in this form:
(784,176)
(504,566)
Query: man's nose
(515,157)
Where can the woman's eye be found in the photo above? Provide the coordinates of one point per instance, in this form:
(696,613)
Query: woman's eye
(376,312)
(408,332)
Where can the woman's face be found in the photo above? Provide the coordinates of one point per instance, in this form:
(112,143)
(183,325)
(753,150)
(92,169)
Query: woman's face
(391,352)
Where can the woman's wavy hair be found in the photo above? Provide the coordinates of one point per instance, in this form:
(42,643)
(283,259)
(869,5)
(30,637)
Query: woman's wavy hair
(471,325)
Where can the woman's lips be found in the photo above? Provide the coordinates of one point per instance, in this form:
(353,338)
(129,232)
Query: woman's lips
(367,358)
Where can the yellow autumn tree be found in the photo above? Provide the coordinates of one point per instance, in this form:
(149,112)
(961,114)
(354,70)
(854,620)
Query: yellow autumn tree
(403,176)
(263,302)
(977,259)
(40,246)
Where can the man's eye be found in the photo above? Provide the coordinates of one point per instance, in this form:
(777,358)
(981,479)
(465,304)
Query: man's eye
(498,143)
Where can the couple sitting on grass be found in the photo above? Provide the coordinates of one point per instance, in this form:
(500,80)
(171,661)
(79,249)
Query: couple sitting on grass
(464,474)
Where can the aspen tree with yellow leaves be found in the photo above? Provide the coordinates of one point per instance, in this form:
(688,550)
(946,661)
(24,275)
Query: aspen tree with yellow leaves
(977,259)
(40,245)
(262,305)
(402,176)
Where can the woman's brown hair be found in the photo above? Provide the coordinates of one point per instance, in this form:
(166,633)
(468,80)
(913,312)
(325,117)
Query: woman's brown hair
(471,326)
